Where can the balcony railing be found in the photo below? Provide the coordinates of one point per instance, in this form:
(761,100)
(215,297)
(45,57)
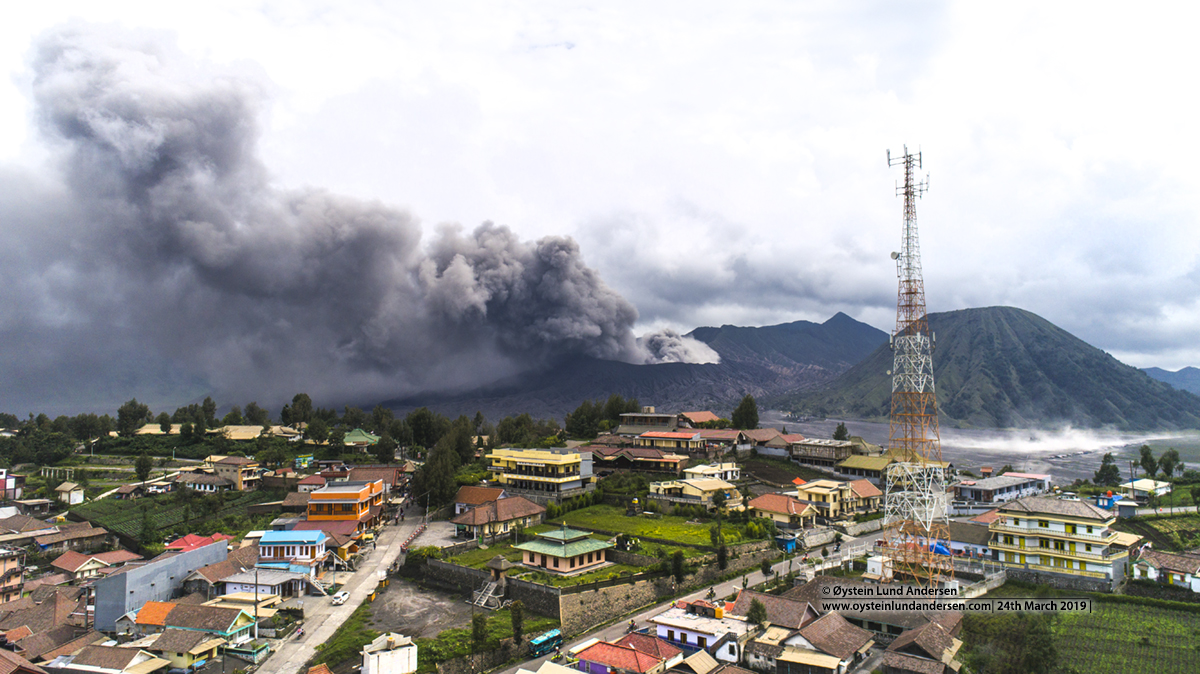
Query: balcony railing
(1041,531)
(1081,554)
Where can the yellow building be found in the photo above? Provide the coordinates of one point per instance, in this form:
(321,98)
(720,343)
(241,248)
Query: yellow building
(240,471)
(185,648)
(556,471)
(1049,535)
(833,499)
(687,440)
(695,492)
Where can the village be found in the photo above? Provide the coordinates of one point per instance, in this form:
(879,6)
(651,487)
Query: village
(669,542)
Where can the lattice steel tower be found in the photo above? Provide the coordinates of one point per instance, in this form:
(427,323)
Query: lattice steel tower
(915,485)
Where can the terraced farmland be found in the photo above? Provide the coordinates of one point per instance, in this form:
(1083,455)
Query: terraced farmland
(168,512)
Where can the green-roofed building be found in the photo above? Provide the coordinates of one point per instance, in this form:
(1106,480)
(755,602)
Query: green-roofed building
(360,438)
(564,551)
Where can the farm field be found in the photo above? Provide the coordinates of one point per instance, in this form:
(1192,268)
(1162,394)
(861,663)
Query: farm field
(779,471)
(1166,532)
(167,512)
(1119,638)
(667,527)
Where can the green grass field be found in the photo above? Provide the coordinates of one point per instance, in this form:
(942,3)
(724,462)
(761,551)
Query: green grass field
(1166,532)
(667,527)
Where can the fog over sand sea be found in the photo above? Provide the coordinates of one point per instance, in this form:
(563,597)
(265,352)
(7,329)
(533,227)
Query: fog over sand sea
(1066,454)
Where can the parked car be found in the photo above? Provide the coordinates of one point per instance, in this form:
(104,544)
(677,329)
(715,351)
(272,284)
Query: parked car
(340,598)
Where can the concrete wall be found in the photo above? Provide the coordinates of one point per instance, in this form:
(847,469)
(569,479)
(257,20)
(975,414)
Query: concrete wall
(453,577)
(541,599)
(120,593)
(1061,581)
(860,528)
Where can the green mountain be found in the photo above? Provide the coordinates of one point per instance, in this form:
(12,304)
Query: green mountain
(1003,367)
(1187,379)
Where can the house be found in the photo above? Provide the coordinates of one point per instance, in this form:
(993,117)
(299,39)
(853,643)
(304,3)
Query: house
(392,476)
(761,437)
(266,581)
(885,625)
(33,506)
(468,497)
(787,511)
(642,459)
(865,497)
(1043,538)
(833,500)
(827,644)
(298,551)
(564,552)
(723,441)
(1169,568)
(360,502)
(12,574)
(1141,490)
(1004,488)
(296,502)
(390,653)
(203,482)
(729,472)
(498,517)
(75,538)
(820,451)
(185,649)
(108,660)
(343,535)
(69,493)
(81,566)
(671,655)
(689,440)
(51,644)
(310,483)
(547,474)
(636,423)
(700,625)
(151,618)
(192,541)
(969,539)
(205,579)
(241,472)
(231,624)
(129,492)
(12,486)
(869,467)
(697,418)
(360,438)
(781,611)
(604,658)
(158,579)
(695,492)
(929,649)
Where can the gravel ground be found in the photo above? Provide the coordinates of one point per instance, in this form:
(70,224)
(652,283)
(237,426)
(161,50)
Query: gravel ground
(416,612)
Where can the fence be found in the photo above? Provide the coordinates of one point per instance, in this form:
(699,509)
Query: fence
(411,537)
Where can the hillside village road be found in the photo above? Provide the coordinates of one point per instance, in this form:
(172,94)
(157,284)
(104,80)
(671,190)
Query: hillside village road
(322,618)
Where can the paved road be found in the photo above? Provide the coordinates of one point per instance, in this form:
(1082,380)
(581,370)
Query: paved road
(322,618)
(1167,510)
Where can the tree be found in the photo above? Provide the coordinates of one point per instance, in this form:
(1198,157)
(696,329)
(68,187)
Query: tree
(478,630)
(317,430)
(677,565)
(209,409)
(186,432)
(130,418)
(840,433)
(766,567)
(757,614)
(302,408)
(1108,474)
(142,467)
(256,415)
(722,557)
(1168,462)
(380,418)
(516,612)
(385,449)
(235,418)
(746,415)
(164,422)
(1149,464)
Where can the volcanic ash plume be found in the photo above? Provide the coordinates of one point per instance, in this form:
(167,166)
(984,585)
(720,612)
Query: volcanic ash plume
(167,243)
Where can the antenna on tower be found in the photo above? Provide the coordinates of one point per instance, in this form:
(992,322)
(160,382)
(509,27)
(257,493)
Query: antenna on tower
(915,483)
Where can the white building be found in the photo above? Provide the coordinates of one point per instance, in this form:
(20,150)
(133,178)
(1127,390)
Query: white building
(390,653)
(1145,488)
(687,627)
(1178,570)
(729,472)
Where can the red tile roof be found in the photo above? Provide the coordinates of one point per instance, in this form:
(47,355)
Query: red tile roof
(154,613)
(340,527)
(192,541)
(477,495)
(700,417)
(792,437)
(647,644)
(11,663)
(502,510)
(864,489)
(313,479)
(618,657)
(779,503)
(986,518)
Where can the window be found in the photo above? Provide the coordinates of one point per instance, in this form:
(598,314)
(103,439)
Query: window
(1089,530)
(1016,521)
(555,562)
(1043,543)
(1088,547)
(670,635)
(732,649)
(1043,524)
(702,642)
(572,562)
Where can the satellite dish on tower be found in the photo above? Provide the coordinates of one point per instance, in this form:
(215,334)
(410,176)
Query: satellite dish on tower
(895,255)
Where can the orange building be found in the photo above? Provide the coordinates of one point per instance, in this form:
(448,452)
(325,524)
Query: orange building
(341,501)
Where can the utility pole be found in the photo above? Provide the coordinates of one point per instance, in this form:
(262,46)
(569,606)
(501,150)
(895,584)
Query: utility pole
(915,484)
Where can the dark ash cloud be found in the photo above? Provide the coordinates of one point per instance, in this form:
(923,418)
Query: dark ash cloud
(167,262)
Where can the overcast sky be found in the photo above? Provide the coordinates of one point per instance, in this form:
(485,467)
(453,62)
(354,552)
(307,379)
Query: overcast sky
(725,162)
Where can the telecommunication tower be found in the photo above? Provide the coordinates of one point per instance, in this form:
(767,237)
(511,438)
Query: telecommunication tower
(915,484)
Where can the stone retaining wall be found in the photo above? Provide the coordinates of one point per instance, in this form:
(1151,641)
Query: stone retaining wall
(584,610)
(1061,581)
(453,577)
(541,599)
(860,528)
(479,662)
(815,538)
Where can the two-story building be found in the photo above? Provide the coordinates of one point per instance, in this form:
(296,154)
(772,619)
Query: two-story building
(547,474)
(684,440)
(833,500)
(701,625)
(82,566)
(361,502)
(297,551)
(694,492)
(1064,539)
(12,574)
(820,451)
(788,512)
(729,472)
(241,472)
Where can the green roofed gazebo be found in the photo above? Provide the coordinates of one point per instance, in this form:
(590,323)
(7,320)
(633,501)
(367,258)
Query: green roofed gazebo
(358,437)
(564,551)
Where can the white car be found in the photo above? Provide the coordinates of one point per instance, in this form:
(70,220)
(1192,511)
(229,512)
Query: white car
(340,598)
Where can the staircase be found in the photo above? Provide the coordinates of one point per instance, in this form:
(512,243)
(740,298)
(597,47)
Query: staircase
(482,596)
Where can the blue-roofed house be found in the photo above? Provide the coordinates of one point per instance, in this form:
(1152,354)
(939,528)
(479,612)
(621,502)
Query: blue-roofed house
(298,551)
